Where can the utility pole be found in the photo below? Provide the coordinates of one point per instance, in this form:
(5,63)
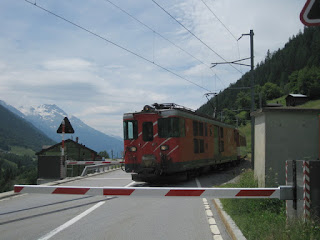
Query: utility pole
(251,34)
(252,99)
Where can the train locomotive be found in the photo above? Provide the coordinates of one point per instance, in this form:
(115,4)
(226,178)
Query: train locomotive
(170,140)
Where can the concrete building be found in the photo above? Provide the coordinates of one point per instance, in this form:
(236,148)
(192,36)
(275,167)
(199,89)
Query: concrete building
(283,134)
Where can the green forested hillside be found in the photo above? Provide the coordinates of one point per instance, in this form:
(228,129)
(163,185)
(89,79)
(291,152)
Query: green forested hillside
(15,131)
(18,136)
(293,69)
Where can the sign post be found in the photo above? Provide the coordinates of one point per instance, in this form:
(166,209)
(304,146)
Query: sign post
(65,127)
(310,14)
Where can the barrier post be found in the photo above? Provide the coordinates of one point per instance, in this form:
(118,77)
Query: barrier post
(304,176)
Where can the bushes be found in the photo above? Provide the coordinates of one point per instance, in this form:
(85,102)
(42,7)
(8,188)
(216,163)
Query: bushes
(265,218)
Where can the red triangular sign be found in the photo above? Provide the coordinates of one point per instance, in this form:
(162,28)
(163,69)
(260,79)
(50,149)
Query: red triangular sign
(310,14)
(67,128)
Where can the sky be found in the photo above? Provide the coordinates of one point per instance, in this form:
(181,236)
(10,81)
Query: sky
(98,59)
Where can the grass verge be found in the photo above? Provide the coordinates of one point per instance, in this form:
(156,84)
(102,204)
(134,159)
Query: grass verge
(265,219)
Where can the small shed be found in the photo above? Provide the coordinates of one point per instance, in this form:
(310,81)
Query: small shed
(296,99)
(283,134)
(49,158)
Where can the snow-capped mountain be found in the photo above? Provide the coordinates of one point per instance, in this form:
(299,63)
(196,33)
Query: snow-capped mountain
(48,117)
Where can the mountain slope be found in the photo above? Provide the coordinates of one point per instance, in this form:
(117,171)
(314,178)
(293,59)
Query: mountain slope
(292,69)
(48,118)
(16,131)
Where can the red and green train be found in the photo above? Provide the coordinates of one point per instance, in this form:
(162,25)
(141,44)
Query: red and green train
(168,140)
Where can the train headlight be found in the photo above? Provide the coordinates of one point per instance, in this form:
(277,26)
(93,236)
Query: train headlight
(164,147)
(132,149)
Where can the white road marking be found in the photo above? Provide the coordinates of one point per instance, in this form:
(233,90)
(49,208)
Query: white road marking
(70,222)
(209,213)
(215,229)
(198,183)
(212,222)
(108,179)
(130,184)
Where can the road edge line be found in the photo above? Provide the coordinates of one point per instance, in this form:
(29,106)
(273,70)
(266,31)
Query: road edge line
(233,230)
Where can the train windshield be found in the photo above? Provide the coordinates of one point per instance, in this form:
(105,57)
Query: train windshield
(130,130)
(171,127)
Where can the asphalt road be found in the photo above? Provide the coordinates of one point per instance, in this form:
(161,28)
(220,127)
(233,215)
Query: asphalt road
(39,216)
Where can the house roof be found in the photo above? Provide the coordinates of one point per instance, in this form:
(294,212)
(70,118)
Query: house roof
(66,141)
(297,95)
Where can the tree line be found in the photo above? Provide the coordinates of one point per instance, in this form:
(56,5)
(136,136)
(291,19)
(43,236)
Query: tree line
(293,69)
(16,169)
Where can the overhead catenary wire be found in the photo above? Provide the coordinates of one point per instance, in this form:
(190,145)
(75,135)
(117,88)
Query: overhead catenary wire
(115,44)
(219,20)
(195,36)
(223,26)
(159,34)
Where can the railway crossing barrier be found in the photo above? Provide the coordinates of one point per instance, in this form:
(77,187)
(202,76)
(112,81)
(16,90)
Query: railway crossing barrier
(302,192)
(282,192)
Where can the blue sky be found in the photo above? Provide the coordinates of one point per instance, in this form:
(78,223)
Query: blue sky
(45,60)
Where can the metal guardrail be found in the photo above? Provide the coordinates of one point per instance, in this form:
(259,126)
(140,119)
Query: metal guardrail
(72,162)
(100,168)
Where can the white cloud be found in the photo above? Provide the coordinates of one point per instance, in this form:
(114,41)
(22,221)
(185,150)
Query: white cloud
(72,64)
(47,60)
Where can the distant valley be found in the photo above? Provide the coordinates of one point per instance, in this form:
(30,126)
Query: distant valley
(48,117)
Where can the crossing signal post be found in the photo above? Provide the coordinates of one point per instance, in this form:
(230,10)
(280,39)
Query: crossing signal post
(65,127)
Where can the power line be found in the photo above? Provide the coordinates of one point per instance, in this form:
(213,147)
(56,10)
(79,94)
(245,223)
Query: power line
(160,35)
(195,35)
(115,44)
(224,27)
(219,20)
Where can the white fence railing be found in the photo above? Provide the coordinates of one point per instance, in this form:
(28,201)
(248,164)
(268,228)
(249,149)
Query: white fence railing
(99,168)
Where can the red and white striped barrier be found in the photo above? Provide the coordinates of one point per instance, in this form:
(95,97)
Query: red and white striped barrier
(68,162)
(306,190)
(154,192)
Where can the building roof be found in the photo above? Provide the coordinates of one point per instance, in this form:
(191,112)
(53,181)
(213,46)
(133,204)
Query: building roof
(66,141)
(297,95)
(285,109)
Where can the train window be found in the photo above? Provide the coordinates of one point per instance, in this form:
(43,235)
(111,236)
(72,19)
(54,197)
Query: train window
(198,145)
(182,127)
(221,132)
(130,130)
(201,141)
(170,127)
(221,146)
(205,130)
(147,131)
(195,145)
(195,128)
(200,129)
